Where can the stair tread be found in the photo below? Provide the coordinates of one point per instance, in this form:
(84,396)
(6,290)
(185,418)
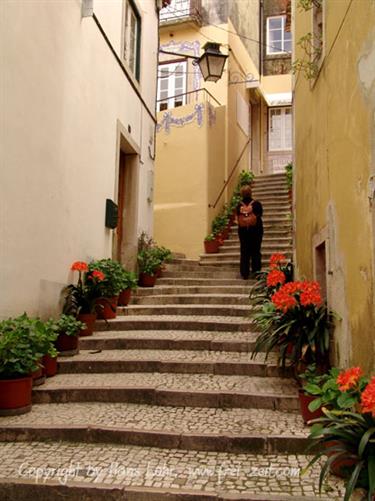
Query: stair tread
(211,383)
(192,420)
(152,472)
(186,356)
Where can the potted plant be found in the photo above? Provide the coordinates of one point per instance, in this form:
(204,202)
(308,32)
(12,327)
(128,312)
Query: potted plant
(80,299)
(130,284)
(68,329)
(18,359)
(347,437)
(297,323)
(165,256)
(110,287)
(289,179)
(148,263)
(317,390)
(211,244)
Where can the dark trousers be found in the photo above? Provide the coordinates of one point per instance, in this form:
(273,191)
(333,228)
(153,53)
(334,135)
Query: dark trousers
(250,244)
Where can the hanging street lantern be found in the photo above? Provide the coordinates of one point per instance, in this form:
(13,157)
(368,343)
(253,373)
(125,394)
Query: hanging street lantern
(212,61)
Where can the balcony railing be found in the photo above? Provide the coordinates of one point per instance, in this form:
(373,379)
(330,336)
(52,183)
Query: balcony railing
(180,11)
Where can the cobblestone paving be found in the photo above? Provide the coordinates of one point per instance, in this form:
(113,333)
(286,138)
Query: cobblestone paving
(180,335)
(175,318)
(152,467)
(188,382)
(172,419)
(173,355)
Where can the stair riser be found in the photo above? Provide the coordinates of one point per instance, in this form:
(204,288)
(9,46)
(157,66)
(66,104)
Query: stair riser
(196,281)
(166,440)
(175,398)
(229,257)
(170,291)
(90,343)
(188,310)
(225,300)
(217,274)
(165,367)
(177,325)
(266,250)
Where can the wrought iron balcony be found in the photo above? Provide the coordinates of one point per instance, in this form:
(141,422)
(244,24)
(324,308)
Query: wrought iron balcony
(179,11)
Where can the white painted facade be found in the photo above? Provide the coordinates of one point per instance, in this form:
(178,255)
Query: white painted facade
(67,108)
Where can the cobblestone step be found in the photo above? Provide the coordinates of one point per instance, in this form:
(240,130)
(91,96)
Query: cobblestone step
(186,309)
(190,428)
(171,361)
(210,282)
(193,390)
(191,289)
(284,248)
(213,298)
(170,340)
(229,256)
(177,323)
(105,472)
(213,274)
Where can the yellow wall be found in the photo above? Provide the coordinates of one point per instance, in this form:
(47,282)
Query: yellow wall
(188,158)
(334,158)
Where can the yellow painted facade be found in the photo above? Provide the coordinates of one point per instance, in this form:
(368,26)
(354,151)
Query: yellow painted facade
(192,161)
(334,123)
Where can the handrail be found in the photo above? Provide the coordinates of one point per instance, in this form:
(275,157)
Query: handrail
(190,92)
(230,175)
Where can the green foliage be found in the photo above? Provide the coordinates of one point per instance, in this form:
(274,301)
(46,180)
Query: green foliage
(210,237)
(68,325)
(289,175)
(219,223)
(301,333)
(245,177)
(81,298)
(305,5)
(309,64)
(149,261)
(23,341)
(131,280)
(327,392)
(164,254)
(344,435)
(115,277)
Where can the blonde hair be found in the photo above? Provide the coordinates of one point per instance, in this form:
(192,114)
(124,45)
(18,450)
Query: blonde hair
(245,191)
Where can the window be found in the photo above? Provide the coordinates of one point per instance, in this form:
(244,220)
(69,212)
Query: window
(280,129)
(171,84)
(132,38)
(279,40)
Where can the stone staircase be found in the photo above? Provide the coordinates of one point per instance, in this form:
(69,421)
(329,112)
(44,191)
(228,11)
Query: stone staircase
(272,192)
(165,402)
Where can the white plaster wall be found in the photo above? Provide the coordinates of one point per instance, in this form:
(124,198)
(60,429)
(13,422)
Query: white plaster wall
(61,93)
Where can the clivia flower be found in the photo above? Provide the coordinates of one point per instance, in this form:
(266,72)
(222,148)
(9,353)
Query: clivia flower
(348,379)
(368,398)
(98,275)
(275,277)
(79,266)
(283,301)
(277,259)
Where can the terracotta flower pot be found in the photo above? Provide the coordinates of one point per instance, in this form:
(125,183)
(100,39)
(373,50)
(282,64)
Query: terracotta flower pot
(67,345)
(15,396)
(37,376)
(342,466)
(304,401)
(107,308)
(49,365)
(89,320)
(124,297)
(147,280)
(211,247)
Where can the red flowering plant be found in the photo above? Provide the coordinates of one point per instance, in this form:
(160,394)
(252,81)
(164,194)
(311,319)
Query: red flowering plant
(296,322)
(81,297)
(268,282)
(347,437)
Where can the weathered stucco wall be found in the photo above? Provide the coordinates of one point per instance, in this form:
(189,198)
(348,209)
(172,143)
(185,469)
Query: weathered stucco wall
(63,97)
(334,158)
(189,159)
